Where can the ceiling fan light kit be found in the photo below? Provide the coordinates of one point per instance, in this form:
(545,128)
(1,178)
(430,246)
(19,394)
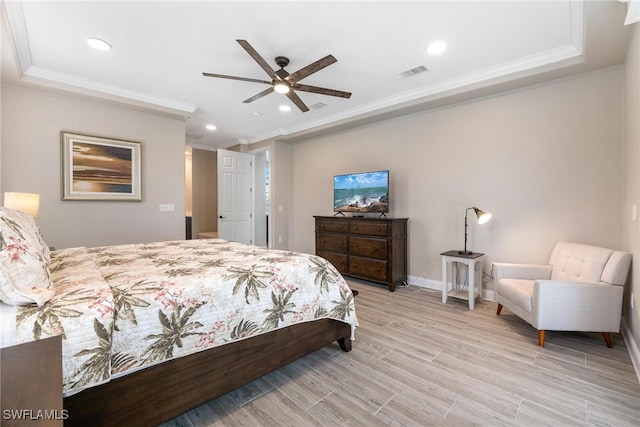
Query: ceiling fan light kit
(281,87)
(283,82)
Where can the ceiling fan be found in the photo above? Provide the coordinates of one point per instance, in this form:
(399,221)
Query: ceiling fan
(282,81)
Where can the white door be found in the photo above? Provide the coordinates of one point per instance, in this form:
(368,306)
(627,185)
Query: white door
(235,175)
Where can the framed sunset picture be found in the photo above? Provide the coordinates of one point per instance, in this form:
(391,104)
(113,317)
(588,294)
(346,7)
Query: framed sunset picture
(95,168)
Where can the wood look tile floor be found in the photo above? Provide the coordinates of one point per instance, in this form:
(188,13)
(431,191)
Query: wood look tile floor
(418,362)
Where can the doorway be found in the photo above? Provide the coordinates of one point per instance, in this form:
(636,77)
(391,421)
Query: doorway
(202,209)
(201,199)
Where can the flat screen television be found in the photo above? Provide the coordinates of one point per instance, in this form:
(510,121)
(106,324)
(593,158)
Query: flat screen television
(361,192)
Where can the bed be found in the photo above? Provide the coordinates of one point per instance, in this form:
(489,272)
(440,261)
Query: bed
(152,330)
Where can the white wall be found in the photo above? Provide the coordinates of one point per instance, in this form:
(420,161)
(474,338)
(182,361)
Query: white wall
(546,160)
(32,122)
(632,187)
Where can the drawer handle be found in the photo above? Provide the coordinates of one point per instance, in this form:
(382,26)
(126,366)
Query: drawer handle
(340,227)
(355,228)
(377,248)
(355,265)
(378,269)
(322,240)
(378,229)
(355,245)
(341,243)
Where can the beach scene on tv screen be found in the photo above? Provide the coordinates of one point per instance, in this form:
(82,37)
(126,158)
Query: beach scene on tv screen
(361,192)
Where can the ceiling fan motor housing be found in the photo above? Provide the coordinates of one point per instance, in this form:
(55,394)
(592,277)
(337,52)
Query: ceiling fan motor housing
(282,61)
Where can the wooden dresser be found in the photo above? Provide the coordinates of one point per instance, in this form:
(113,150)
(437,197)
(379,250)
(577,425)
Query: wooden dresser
(373,249)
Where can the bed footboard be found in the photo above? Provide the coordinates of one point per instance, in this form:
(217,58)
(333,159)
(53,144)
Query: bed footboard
(159,393)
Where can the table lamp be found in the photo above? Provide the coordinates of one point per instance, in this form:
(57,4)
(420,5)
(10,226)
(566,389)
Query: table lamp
(482,218)
(28,203)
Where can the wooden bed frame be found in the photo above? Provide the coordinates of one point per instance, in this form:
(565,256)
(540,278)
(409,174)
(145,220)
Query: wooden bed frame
(157,394)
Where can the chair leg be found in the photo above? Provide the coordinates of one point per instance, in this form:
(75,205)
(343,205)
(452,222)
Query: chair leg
(541,337)
(607,339)
(499,310)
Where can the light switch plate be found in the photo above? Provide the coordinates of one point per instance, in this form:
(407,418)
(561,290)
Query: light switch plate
(166,208)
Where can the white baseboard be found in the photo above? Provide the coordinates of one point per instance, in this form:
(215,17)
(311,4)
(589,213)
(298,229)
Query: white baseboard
(423,282)
(632,346)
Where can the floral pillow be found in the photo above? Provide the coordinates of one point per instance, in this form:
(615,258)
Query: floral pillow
(24,260)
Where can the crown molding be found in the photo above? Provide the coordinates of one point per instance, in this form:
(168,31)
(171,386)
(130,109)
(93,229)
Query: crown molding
(562,56)
(44,77)
(56,80)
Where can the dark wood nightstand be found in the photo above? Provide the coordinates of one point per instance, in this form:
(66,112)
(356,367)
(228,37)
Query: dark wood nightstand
(31,384)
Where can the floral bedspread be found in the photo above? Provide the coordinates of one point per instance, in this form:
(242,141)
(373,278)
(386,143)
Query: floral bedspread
(122,308)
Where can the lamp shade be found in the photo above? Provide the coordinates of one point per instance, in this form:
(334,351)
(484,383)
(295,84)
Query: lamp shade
(482,216)
(28,203)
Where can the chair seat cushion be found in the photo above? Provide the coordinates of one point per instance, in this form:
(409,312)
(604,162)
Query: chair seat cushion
(518,291)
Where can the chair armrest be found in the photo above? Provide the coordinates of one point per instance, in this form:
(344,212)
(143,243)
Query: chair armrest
(576,306)
(521,271)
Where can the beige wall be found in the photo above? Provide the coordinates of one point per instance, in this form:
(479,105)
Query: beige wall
(32,122)
(632,185)
(204,191)
(281,195)
(546,160)
(188,181)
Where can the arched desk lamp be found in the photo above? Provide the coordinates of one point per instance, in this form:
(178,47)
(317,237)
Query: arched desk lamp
(482,218)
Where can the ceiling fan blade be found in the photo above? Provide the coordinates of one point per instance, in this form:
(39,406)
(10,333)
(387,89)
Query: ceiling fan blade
(244,79)
(321,90)
(296,100)
(256,57)
(260,95)
(311,68)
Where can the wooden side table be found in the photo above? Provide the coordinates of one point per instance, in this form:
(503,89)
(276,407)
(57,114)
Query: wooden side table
(450,287)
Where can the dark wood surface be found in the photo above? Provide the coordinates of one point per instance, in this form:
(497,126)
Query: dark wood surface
(31,383)
(373,249)
(154,395)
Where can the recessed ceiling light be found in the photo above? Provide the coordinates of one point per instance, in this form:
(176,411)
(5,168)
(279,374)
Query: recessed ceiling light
(97,43)
(437,47)
(211,127)
(284,108)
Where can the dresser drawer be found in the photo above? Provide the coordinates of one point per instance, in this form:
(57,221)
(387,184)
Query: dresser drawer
(332,242)
(367,247)
(333,226)
(369,228)
(339,261)
(366,267)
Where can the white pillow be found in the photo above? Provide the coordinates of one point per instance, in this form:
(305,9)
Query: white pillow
(24,260)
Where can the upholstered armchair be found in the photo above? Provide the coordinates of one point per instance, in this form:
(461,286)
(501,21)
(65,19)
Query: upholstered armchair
(579,290)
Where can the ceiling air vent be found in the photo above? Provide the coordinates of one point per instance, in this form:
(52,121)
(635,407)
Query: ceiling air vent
(413,72)
(318,106)
(193,136)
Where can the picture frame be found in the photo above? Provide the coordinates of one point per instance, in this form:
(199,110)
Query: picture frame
(97,168)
